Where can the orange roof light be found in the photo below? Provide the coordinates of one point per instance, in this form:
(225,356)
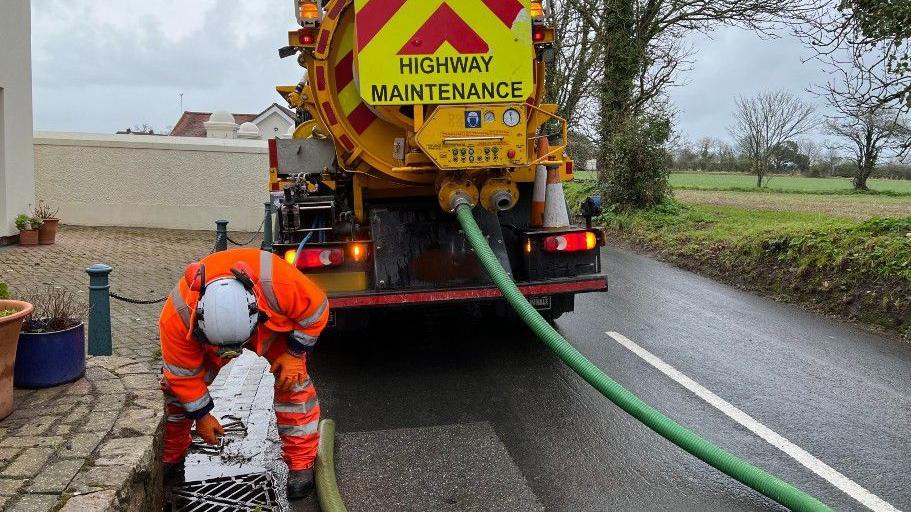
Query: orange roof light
(537,9)
(309,11)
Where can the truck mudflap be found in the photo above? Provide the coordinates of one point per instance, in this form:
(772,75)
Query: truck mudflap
(586,284)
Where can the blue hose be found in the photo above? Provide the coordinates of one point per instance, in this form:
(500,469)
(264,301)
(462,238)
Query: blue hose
(306,239)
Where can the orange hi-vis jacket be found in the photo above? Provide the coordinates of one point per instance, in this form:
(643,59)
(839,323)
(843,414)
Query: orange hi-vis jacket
(294,306)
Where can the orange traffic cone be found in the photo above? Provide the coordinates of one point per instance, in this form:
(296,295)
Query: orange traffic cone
(538,196)
(555,213)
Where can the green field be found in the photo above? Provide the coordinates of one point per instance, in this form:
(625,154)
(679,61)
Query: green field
(791,184)
(798,184)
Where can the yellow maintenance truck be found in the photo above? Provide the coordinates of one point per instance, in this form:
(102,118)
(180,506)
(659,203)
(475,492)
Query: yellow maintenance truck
(407,109)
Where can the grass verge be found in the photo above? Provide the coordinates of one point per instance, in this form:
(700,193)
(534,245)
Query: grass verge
(856,270)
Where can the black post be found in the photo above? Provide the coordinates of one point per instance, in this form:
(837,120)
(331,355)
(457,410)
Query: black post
(267,228)
(221,235)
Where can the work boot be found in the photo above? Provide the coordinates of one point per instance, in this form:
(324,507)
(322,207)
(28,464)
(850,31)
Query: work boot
(174,471)
(300,483)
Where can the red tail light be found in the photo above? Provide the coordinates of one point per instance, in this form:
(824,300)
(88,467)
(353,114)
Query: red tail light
(571,242)
(307,36)
(569,167)
(537,34)
(319,258)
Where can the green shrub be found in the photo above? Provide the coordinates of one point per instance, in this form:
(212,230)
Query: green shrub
(634,167)
(23,222)
(4,291)
(26,223)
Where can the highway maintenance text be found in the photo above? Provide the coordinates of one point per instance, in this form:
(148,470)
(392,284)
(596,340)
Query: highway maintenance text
(443,91)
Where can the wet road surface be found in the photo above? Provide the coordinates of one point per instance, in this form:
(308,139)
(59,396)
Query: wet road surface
(413,391)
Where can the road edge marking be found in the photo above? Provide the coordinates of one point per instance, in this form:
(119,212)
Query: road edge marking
(806,459)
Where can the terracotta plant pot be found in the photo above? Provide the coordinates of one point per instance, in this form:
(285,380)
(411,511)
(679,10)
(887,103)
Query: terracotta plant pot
(29,237)
(47,233)
(9,339)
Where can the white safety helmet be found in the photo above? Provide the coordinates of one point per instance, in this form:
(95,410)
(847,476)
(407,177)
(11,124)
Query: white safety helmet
(227,312)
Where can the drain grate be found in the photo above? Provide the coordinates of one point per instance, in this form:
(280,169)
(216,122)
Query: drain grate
(243,493)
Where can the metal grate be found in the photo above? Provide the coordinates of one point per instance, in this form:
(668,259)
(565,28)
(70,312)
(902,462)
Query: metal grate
(243,493)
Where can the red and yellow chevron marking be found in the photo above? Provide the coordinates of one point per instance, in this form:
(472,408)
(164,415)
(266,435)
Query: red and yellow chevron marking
(353,108)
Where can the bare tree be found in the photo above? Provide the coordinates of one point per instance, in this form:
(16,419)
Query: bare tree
(811,149)
(869,41)
(766,121)
(574,68)
(866,125)
(641,48)
(867,135)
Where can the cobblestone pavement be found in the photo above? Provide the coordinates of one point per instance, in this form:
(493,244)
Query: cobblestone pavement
(95,443)
(89,445)
(146,262)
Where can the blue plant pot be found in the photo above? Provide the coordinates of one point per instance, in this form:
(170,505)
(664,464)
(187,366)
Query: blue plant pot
(49,359)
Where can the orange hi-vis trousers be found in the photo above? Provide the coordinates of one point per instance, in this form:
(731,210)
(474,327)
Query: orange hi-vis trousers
(297,414)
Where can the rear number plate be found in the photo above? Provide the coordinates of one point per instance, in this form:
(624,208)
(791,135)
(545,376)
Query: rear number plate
(540,303)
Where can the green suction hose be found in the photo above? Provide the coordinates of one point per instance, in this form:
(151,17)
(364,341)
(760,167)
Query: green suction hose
(330,500)
(729,464)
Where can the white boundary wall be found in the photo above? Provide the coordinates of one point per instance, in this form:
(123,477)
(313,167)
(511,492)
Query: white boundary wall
(17,187)
(160,182)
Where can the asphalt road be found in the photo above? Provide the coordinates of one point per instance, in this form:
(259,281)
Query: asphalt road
(547,440)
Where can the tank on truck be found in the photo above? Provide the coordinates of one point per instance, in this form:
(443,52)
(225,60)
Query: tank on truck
(407,109)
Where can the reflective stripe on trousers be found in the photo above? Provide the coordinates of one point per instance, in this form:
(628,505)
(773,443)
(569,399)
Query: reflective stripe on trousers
(299,430)
(179,371)
(297,414)
(301,408)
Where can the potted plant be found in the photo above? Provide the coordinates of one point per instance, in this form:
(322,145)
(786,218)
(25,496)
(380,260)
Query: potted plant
(47,232)
(28,229)
(12,313)
(51,347)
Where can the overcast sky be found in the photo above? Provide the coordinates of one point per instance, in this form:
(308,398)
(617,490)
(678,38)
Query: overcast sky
(105,65)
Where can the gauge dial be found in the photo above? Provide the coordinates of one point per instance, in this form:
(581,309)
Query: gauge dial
(512,117)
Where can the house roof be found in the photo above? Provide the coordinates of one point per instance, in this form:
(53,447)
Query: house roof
(289,115)
(191,124)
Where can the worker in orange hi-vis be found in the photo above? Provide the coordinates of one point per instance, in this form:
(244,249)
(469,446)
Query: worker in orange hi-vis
(231,300)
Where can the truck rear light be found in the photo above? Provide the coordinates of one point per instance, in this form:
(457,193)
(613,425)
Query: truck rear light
(536,9)
(537,34)
(307,37)
(358,252)
(315,258)
(571,242)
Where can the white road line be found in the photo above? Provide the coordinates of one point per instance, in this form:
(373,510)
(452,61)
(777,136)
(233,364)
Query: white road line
(848,486)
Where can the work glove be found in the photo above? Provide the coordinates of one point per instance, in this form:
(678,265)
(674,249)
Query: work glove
(209,429)
(290,370)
